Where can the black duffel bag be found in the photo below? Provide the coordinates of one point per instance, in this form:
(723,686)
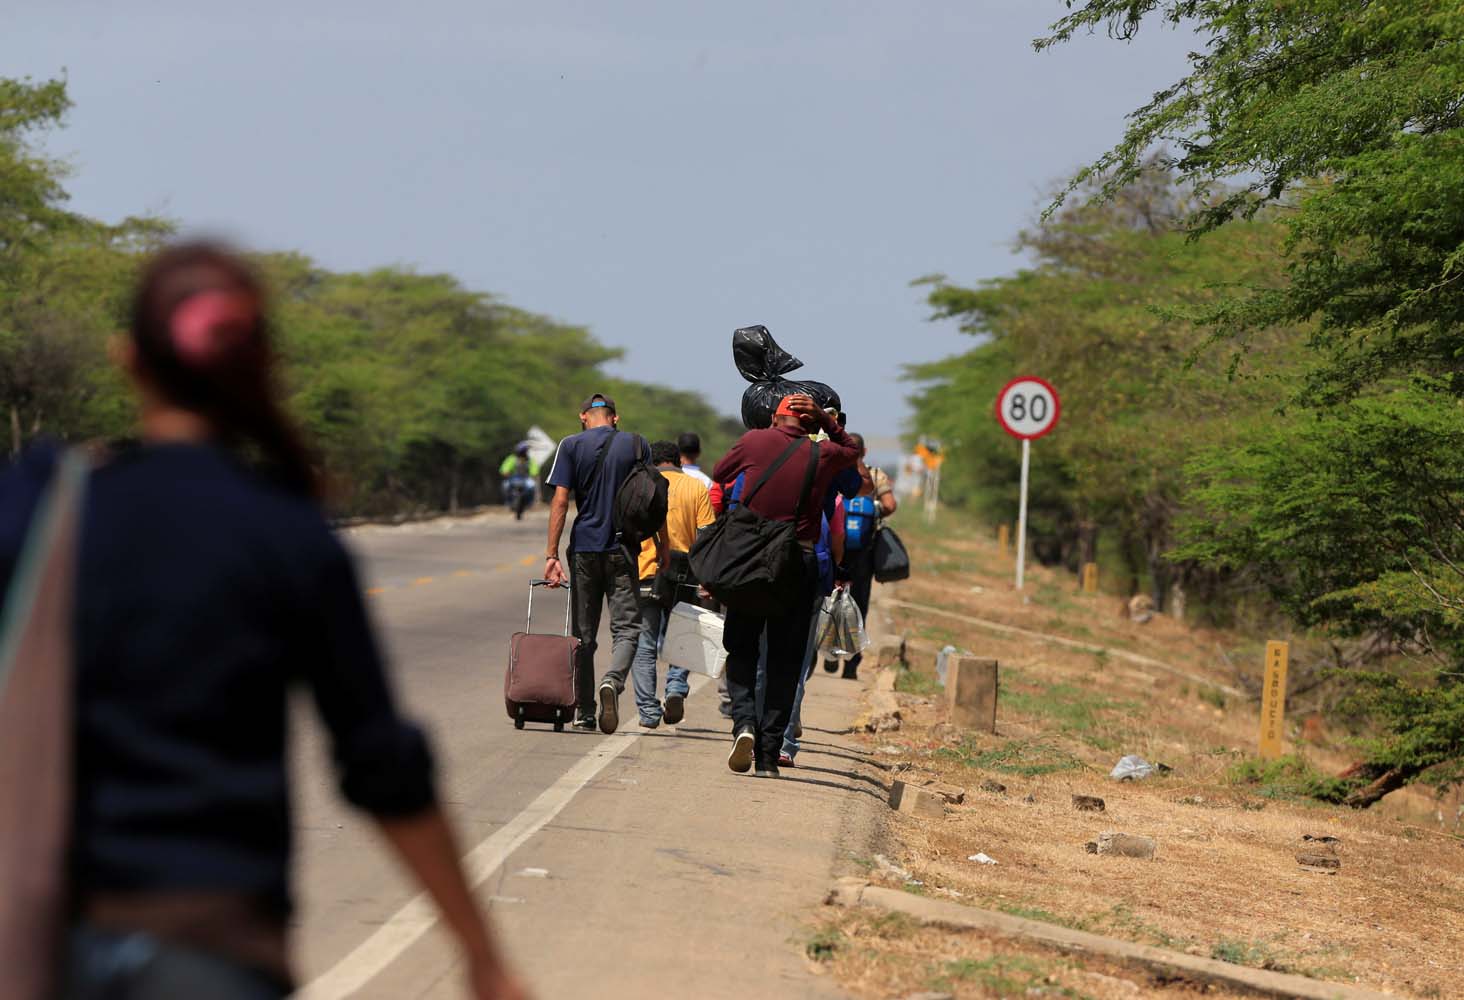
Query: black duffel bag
(891,561)
(752,563)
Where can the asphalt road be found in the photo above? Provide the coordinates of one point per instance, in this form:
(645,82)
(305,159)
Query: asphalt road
(612,866)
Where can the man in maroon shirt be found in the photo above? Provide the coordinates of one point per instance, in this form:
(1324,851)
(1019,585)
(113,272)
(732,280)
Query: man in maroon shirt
(756,741)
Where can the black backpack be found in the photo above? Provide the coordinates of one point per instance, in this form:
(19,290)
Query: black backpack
(752,563)
(639,508)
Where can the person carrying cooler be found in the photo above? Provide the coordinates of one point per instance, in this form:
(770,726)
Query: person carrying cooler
(784,495)
(591,466)
(205,590)
(688,510)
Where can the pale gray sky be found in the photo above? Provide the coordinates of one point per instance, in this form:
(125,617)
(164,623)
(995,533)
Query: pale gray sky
(661,172)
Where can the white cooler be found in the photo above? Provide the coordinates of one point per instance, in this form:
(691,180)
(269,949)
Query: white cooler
(694,640)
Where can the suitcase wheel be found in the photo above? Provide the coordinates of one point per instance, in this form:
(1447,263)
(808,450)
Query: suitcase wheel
(518,720)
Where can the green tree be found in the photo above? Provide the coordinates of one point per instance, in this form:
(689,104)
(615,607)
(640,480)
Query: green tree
(1348,115)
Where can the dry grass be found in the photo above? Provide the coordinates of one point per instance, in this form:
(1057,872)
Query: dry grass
(1225,882)
(887,955)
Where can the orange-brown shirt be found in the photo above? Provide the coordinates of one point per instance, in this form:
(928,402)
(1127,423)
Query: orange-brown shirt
(688,509)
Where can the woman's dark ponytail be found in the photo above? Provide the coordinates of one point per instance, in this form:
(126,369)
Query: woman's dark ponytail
(199,325)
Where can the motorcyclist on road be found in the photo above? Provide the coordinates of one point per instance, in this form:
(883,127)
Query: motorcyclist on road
(520,472)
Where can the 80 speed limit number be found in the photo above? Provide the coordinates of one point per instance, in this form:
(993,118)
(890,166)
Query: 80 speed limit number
(1027,407)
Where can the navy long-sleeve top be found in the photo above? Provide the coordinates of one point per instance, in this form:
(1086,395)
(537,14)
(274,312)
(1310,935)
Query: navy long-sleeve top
(203,594)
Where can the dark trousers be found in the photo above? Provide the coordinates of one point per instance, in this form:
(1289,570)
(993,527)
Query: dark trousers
(787,637)
(598,579)
(861,582)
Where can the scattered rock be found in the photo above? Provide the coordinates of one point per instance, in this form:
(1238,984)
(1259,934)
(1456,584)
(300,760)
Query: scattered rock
(951,793)
(994,787)
(1031,799)
(1114,983)
(930,996)
(983,859)
(907,798)
(888,867)
(1192,800)
(533,873)
(1320,854)
(884,680)
(1088,803)
(1124,845)
(1321,838)
(889,749)
(945,733)
(890,653)
(1141,608)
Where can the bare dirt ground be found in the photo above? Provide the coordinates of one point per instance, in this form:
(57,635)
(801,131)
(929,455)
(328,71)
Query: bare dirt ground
(1225,882)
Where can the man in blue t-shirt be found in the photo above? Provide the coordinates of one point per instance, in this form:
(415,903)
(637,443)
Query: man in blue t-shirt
(591,465)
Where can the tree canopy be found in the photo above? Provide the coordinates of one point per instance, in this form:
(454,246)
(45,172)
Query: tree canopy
(411,386)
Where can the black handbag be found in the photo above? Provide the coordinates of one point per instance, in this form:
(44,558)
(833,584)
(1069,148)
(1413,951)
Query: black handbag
(670,578)
(752,563)
(891,561)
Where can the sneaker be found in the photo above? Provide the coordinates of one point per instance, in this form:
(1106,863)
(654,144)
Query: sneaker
(726,710)
(609,708)
(740,759)
(767,772)
(584,722)
(830,666)
(785,759)
(675,708)
(649,723)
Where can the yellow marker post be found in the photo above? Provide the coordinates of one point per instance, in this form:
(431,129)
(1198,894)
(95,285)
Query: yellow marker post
(1273,700)
(1090,578)
(1003,539)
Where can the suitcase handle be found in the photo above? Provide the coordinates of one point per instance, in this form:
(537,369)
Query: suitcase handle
(529,618)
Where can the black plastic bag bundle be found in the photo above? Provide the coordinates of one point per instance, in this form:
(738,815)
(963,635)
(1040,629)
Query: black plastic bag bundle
(763,363)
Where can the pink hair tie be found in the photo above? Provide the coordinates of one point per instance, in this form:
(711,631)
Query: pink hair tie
(209,325)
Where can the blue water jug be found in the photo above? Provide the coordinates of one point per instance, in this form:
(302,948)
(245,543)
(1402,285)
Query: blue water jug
(859,523)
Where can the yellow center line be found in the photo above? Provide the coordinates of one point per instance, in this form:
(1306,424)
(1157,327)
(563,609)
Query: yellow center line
(526,561)
(375,590)
(421,580)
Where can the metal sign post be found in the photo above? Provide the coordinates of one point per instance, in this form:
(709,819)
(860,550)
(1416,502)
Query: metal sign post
(1027,408)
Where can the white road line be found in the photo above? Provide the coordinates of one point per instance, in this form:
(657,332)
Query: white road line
(404,927)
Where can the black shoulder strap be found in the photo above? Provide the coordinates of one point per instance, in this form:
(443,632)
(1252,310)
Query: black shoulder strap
(808,478)
(600,458)
(747,496)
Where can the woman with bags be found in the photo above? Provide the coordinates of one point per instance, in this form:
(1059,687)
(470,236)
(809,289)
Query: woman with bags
(159,604)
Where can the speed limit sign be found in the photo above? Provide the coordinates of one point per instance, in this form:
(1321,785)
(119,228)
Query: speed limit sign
(1027,408)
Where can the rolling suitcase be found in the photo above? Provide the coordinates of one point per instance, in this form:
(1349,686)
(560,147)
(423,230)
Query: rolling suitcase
(540,683)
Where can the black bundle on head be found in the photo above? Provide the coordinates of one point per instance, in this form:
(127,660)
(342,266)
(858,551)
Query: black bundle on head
(198,322)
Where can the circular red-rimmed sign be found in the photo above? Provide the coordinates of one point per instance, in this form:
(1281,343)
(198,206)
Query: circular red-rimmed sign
(1027,407)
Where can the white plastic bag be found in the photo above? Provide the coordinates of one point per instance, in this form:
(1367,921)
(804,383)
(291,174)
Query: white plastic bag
(841,627)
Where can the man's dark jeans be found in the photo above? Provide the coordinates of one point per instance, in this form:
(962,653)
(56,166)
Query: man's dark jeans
(787,636)
(601,578)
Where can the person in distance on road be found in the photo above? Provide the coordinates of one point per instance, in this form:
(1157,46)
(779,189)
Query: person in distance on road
(688,510)
(757,738)
(689,445)
(205,590)
(590,466)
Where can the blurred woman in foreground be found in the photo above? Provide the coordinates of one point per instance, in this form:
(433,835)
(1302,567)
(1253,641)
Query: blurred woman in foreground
(204,590)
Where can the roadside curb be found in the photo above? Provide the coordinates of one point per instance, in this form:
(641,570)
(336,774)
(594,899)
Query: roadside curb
(1087,647)
(851,892)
